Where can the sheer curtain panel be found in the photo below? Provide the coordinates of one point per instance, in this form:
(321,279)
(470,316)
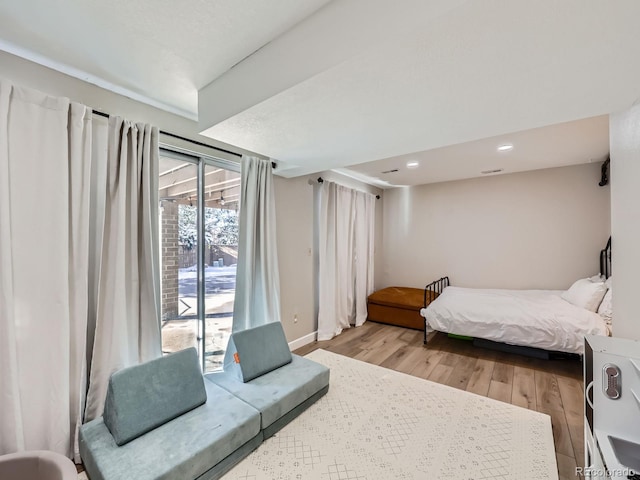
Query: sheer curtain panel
(346,248)
(45,163)
(257,299)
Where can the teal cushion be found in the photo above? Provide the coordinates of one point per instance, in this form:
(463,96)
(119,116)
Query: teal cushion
(279,391)
(143,397)
(187,447)
(256,351)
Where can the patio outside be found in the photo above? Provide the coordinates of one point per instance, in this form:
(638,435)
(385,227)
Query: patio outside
(182,331)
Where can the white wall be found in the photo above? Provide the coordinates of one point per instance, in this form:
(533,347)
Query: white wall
(538,229)
(296,248)
(294,223)
(625,220)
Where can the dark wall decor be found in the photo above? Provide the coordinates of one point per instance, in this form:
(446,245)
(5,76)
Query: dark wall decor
(604,179)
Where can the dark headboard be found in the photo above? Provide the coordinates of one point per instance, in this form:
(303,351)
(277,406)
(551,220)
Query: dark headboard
(605,260)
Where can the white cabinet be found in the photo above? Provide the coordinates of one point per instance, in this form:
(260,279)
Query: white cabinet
(612,408)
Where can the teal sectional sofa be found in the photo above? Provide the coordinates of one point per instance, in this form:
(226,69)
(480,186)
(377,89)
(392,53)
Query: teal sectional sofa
(164,420)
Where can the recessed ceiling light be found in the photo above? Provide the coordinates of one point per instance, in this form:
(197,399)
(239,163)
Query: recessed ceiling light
(505,147)
(413,164)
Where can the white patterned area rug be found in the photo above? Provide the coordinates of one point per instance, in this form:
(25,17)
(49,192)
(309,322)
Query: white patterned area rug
(377,424)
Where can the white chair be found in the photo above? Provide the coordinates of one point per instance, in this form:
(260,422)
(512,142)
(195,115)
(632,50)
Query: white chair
(37,465)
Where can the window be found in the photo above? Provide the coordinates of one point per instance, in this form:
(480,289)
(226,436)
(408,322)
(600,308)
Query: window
(199,199)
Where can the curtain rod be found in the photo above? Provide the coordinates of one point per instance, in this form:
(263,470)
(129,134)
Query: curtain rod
(195,142)
(321,180)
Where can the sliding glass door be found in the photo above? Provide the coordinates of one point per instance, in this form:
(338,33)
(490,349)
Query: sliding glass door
(199,200)
(221,198)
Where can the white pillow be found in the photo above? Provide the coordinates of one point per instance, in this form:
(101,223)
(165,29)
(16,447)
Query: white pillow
(609,282)
(586,294)
(597,278)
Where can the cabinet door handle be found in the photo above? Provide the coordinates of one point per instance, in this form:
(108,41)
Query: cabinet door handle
(587,394)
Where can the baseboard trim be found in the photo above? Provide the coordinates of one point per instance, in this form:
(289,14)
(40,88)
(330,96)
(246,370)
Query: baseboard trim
(302,341)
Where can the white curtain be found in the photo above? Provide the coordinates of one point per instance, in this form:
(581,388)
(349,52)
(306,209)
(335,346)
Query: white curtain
(45,162)
(78,263)
(257,299)
(363,252)
(127,281)
(346,249)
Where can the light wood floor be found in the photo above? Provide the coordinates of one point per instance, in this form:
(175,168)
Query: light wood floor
(553,387)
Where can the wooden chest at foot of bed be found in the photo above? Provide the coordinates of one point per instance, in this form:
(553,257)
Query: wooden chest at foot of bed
(397,306)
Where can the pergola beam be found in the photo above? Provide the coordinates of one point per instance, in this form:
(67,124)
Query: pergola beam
(190,188)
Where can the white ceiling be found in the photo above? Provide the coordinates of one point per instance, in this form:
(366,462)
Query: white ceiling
(359,84)
(570,143)
(160,51)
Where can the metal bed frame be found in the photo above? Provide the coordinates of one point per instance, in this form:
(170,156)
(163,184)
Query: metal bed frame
(436,287)
(605,260)
(431,292)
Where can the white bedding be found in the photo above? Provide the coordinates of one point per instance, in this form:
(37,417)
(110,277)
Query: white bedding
(534,318)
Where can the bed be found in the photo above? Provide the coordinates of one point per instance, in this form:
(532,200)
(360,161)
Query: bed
(545,320)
